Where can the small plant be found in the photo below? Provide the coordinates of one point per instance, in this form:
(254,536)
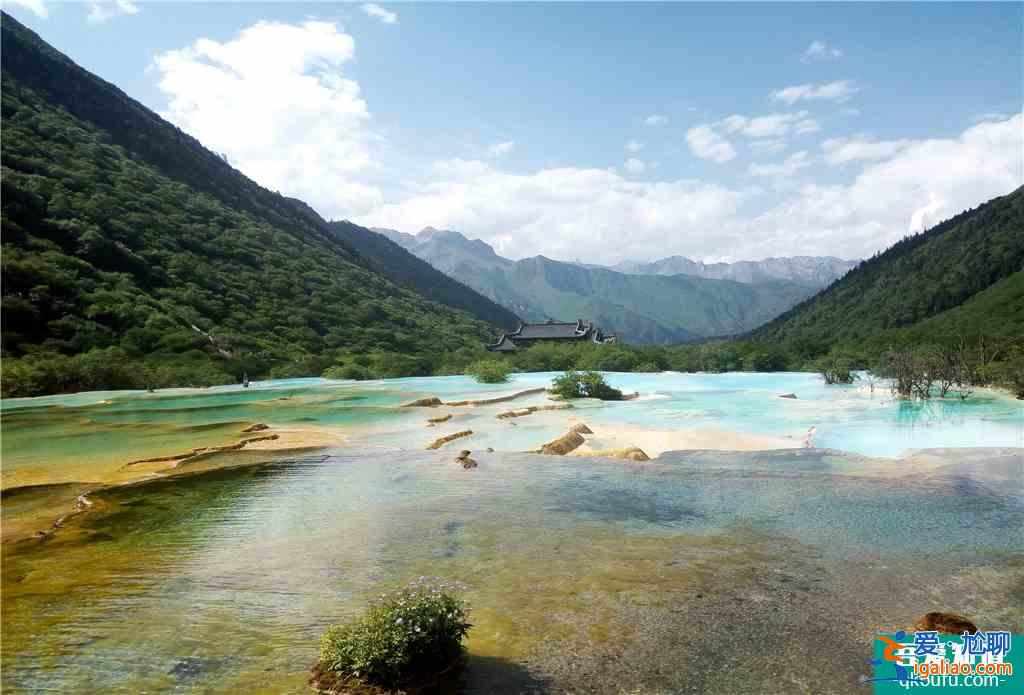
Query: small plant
(575,384)
(489,371)
(836,370)
(406,636)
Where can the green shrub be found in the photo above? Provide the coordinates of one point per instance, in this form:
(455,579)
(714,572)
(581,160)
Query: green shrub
(835,370)
(575,384)
(406,635)
(489,371)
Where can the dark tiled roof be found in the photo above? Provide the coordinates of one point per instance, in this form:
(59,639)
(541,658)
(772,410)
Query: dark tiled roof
(503,345)
(547,331)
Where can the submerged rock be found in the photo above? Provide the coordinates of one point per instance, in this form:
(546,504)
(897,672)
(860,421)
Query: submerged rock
(563,445)
(788,395)
(437,420)
(532,409)
(429,402)
(258,427)
(438,443)
(947,623)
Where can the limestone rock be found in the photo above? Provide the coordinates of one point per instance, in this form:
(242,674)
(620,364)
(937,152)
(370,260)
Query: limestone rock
(563,445)
(438,443)
(947,623)
(428,402)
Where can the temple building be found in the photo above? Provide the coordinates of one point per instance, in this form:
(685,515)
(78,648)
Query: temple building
(529,333)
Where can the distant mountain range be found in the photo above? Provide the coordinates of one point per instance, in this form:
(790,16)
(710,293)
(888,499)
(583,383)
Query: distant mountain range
(671,300)
(813,271)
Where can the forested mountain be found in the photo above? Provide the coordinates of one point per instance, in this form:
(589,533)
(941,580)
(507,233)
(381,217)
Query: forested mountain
(639,308)
(134,256)
(813,271)
(965,275)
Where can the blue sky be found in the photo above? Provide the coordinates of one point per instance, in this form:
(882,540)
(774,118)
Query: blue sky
(596,131)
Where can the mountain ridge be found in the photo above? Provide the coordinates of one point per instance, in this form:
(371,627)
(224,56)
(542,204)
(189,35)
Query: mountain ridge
(135,257)
(922,281)
(639,308)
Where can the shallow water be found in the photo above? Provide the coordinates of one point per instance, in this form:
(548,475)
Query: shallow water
(584,573)
(223,582)
(84,437)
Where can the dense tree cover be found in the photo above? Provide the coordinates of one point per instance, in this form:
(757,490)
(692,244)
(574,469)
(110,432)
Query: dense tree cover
(920,277)
(115,275)
(403,268)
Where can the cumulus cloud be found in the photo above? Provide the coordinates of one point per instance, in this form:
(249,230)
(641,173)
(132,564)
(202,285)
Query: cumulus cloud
(912,188)
(656,119)
(102,10)
(557,212)
(832,91)
(275,100)
(377,12)
(635,166)
(707,144)
(634,146)
(708,140)
(821,51)
(36,7)
(501,148)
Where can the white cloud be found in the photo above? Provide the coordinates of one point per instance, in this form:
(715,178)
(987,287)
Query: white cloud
(914,187)
(707,144)
(821,51)
(635,166)
(275,100)
(501,148)
(36,7)
(844,150)
(656,119)
(377,12)
(102,10)
(785,169)
(767,126)
(832,91)
(634,146)
(558,212)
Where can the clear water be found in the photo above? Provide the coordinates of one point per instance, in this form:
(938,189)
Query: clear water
(88,436)
(223,581)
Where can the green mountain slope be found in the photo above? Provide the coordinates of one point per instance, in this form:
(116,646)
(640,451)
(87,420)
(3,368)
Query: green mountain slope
(923,276)
(639,308)
(388,258)
(125,240)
